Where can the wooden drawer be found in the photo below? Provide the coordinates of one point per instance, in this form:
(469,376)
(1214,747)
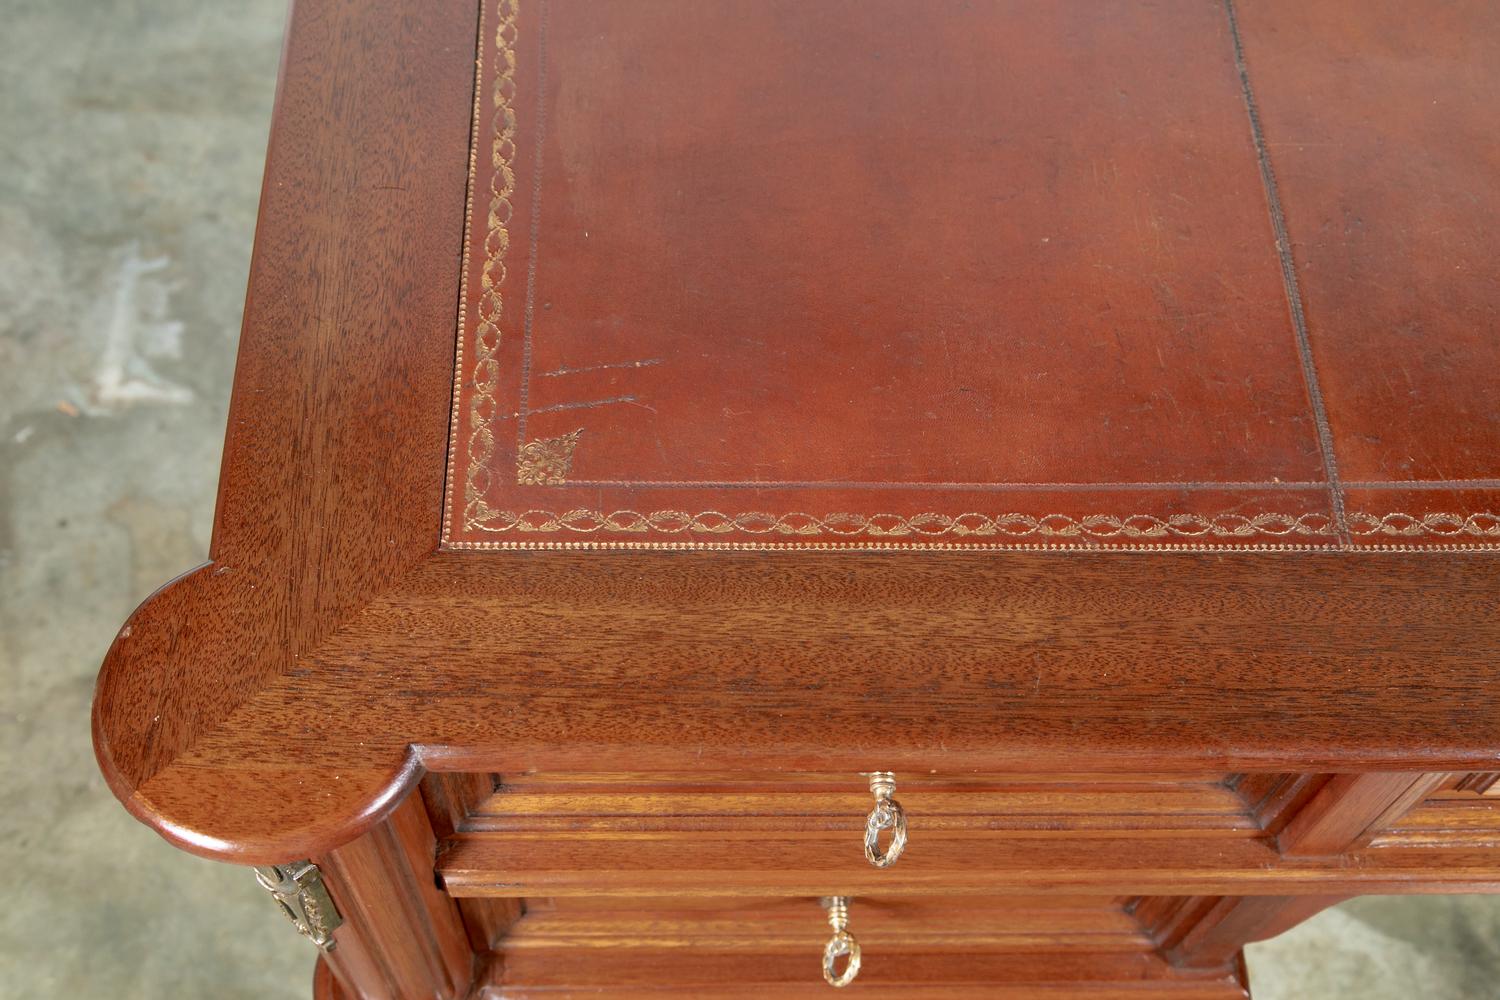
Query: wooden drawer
(812,805)
(1013,885)
(1465,813)
(800,835)
(1055,946)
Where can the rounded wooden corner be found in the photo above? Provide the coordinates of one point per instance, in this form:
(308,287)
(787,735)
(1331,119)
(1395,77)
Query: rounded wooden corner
(295,815)
(118,681)
(321,507)
(190,657)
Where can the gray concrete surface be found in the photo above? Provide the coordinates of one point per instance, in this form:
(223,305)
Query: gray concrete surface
(131,142)
(131,138)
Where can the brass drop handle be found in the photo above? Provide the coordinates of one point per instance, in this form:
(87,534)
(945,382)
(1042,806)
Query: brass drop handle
(887,815)
(842,944)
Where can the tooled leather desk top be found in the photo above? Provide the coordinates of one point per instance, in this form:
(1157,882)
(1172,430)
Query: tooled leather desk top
(995,274)
(1000,274)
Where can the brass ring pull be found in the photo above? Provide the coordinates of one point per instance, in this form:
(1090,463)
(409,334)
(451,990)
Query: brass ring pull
(839,946)
(887,815)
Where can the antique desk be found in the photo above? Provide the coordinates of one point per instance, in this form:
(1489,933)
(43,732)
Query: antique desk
(668,432)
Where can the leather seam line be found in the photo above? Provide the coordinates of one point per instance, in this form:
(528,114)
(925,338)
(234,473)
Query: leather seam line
(1289,277)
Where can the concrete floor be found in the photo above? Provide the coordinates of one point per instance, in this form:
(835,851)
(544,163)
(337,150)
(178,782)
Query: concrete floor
(133,132)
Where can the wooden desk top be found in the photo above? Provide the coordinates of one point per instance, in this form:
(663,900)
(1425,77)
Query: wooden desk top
(1197,300)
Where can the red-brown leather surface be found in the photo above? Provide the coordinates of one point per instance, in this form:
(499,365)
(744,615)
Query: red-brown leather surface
(1383,116)
(981,273)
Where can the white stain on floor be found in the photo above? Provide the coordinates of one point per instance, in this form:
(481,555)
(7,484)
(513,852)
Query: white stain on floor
(136,329)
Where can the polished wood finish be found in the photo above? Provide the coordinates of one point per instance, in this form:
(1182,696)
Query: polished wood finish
(1209,932)
(1018,805)
(759,864)
(338,420)
(1208,741)
(950,947)
(401,935)
(628,835)
(450,799)
(1351,809)
(326,596)
(788,662)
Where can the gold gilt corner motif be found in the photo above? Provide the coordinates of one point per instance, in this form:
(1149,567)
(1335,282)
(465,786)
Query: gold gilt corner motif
(546,462)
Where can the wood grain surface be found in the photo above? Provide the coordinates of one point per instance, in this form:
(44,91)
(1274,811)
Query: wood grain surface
(280,700)
(950,947)
(333,458)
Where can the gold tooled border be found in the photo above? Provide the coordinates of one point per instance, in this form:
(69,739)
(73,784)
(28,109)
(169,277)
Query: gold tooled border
(463,275)
(481,440)
(1006,531)
(1010,532)
(1481,548)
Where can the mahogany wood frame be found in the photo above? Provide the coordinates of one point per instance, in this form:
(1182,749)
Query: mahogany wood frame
(329,634)
(284,699)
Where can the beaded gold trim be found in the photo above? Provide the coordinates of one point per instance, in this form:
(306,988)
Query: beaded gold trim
(1003,526)
(491,302)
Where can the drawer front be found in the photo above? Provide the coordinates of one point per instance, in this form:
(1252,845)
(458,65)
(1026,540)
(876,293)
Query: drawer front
(1097,885)
(803,835)
(806,834)
(1067,946)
